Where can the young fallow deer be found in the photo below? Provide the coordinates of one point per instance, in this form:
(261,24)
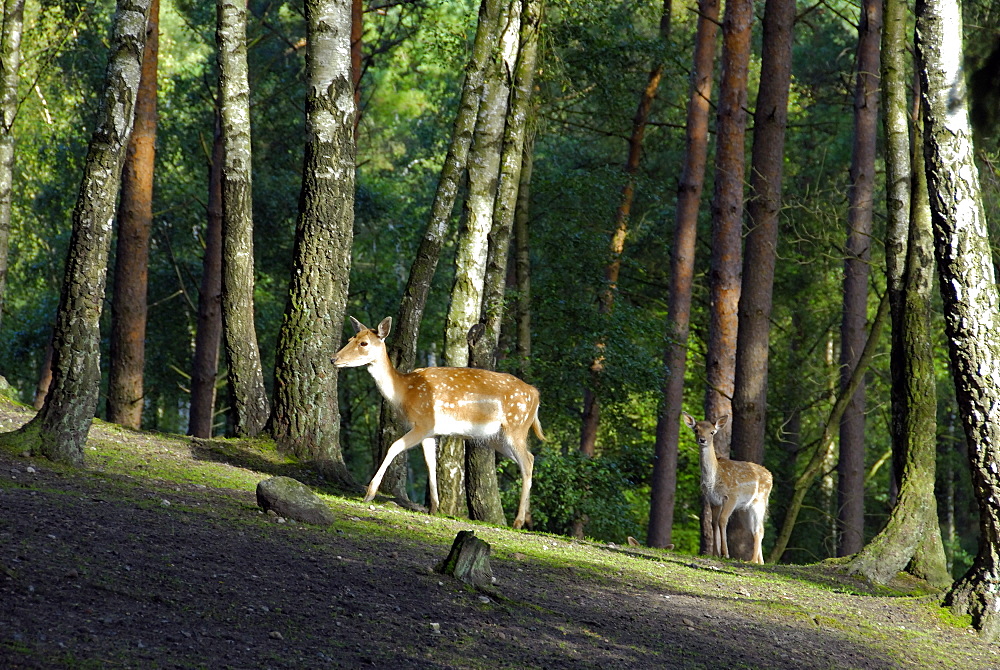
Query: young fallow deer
(730,486)
(478,404)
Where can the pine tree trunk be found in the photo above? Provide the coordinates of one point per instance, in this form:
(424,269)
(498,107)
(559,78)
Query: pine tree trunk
(968,291)
(483,492)
(851,466)
(205,366)
(727,228)
(689,189)
(306,419)
(10,61)
(60,428)
(246,379)
(135,222)
(402,345)
(760,252)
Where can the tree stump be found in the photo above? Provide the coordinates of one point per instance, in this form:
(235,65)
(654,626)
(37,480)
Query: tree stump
(468,560)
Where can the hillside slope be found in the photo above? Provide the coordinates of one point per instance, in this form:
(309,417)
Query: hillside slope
(156,556)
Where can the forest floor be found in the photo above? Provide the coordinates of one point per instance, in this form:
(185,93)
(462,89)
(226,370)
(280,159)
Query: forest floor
(157,556)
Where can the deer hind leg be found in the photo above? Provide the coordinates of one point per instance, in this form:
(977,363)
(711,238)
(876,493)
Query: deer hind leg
(526,463)
(430,457)
(399,446)
(755,514)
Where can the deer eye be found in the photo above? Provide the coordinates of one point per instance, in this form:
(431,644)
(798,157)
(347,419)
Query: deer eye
(364,344)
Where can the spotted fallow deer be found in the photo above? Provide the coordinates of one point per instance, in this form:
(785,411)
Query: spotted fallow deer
(730,486)
(493,407)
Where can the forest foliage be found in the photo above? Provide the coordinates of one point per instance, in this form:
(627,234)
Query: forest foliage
(593,63)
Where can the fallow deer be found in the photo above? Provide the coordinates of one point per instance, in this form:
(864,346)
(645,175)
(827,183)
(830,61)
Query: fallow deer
(730,486)
(493,407)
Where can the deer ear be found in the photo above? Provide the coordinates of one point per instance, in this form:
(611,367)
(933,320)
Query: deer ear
(383,328)
(358,326)
(721,423)
(689,420)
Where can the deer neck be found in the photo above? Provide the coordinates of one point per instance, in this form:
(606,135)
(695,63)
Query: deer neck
(388,380)
(709,465)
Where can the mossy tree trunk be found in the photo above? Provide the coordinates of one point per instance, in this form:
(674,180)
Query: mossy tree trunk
(306,418)
(912,536)
(10,62)
(60,428)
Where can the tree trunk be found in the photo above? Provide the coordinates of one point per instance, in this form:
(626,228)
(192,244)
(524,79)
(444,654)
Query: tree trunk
(402,345)
(968,291)
(851,466)
(246,379)
(135,222)
(483,492)
(727,228)
(909,245)
(306,418)
(522,261)
(591,403)
(10,62)
(205,366)
(60,428)
(472,249)
(689,189)
(760,252)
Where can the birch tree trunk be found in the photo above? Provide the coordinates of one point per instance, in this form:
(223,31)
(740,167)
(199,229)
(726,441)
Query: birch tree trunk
(59,430)
(306,418)
(246,379)
(968,291)
(127,353)
(483,493)
(473,244)
(402,345)
(689,189)
(10,62)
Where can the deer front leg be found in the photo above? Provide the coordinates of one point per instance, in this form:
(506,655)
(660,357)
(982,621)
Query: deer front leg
(397,447)
(430,458)
(716,548)
(728,503)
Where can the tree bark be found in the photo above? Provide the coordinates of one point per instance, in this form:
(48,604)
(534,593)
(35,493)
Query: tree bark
(483,493)
(911,536)
(851,465)
(760,252)
(472,249)
(127,353)
(727,228)
(60,428)
(246,379)
(306,418)
(968,291)
(402,345)
(689,189)
(10,62)
(205,366)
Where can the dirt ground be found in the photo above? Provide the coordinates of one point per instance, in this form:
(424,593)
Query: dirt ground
(108,569)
